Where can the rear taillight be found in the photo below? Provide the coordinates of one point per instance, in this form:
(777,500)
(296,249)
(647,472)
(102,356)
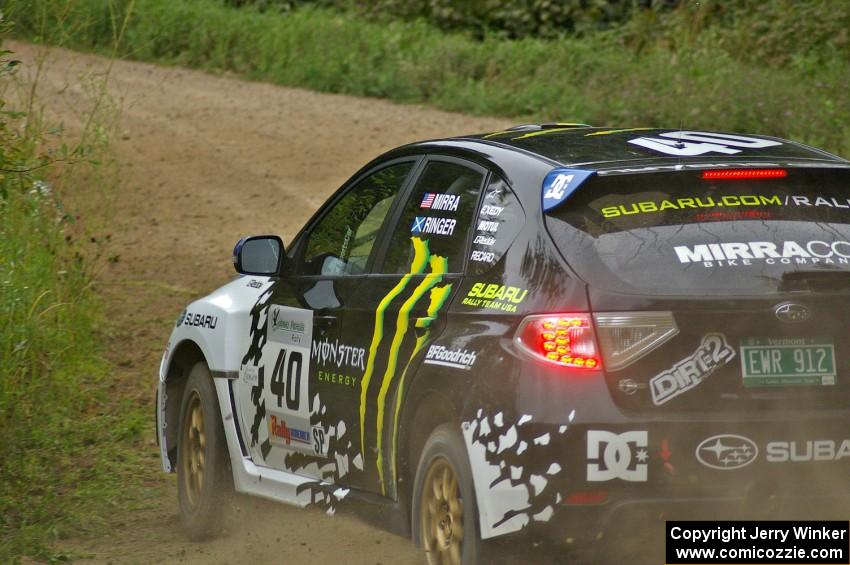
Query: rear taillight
(561,339)
(625,337)
(585,498)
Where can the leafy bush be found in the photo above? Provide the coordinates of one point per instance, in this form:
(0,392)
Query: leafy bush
(65,447)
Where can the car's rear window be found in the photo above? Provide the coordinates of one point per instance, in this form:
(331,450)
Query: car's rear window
(676,233)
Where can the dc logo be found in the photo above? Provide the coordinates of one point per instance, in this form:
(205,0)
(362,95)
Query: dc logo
(559,187)
(418,224)
(617,456)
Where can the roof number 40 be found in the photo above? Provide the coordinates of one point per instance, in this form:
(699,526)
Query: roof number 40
(689,143)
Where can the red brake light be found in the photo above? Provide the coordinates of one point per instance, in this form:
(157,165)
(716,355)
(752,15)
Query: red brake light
(586,497)
(742,174)
(562,339)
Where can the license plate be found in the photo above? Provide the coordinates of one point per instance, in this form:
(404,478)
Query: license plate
(787,361)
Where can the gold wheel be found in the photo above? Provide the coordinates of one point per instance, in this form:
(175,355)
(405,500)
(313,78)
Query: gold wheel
(193,456)
(441,518)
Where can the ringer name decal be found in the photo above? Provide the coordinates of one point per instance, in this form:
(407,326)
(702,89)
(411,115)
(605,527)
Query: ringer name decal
(436,226)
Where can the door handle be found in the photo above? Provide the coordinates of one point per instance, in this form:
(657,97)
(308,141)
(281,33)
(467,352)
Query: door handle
(327,320)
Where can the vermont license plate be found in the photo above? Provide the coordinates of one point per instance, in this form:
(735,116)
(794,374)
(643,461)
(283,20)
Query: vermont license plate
(787,361)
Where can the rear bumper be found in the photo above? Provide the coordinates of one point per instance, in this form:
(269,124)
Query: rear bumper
(581,481)
(624,518)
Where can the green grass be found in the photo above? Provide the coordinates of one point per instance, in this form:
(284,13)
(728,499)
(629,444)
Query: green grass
(600,78)
(69,440)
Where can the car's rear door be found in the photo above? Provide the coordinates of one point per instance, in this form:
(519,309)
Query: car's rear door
(398,313)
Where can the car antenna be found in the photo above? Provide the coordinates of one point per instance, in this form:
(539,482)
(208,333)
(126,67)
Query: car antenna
(679,143)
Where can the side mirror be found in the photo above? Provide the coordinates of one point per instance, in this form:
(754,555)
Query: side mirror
(258,255)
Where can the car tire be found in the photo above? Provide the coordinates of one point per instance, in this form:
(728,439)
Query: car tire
(443,499)
(204,476)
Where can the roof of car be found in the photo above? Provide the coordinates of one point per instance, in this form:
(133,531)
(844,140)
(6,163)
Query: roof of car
(595,148)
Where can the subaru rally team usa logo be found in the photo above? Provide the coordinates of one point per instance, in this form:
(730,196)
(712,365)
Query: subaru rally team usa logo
(443,202)
(726,452)
(617,456)
(436,226)
(456,358)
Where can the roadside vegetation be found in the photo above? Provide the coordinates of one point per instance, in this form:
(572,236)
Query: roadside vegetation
(777,67)
(66,447)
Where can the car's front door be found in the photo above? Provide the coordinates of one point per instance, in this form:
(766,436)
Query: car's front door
(295,393)
(398,313)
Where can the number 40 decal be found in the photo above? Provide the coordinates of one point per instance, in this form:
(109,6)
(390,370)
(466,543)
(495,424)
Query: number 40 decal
(289,388)
(689,143)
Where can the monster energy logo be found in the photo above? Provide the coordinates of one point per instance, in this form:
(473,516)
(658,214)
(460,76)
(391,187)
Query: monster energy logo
(422,259)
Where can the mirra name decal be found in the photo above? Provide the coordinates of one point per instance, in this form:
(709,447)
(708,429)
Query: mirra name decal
(437,201)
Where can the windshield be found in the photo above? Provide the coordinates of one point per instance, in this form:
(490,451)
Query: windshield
(676,233)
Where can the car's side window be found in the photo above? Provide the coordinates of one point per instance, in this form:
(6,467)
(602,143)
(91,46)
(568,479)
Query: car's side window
(499,221)
(341,242)
(439,211)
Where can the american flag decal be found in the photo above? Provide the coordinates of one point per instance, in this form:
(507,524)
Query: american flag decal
(428,201)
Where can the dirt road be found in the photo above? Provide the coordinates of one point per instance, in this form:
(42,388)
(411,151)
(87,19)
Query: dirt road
(206,160)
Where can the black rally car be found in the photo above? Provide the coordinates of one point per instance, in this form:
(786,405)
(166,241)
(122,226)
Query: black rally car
(537,330)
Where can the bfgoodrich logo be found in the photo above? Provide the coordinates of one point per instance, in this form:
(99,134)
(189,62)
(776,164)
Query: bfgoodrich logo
(456,358)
